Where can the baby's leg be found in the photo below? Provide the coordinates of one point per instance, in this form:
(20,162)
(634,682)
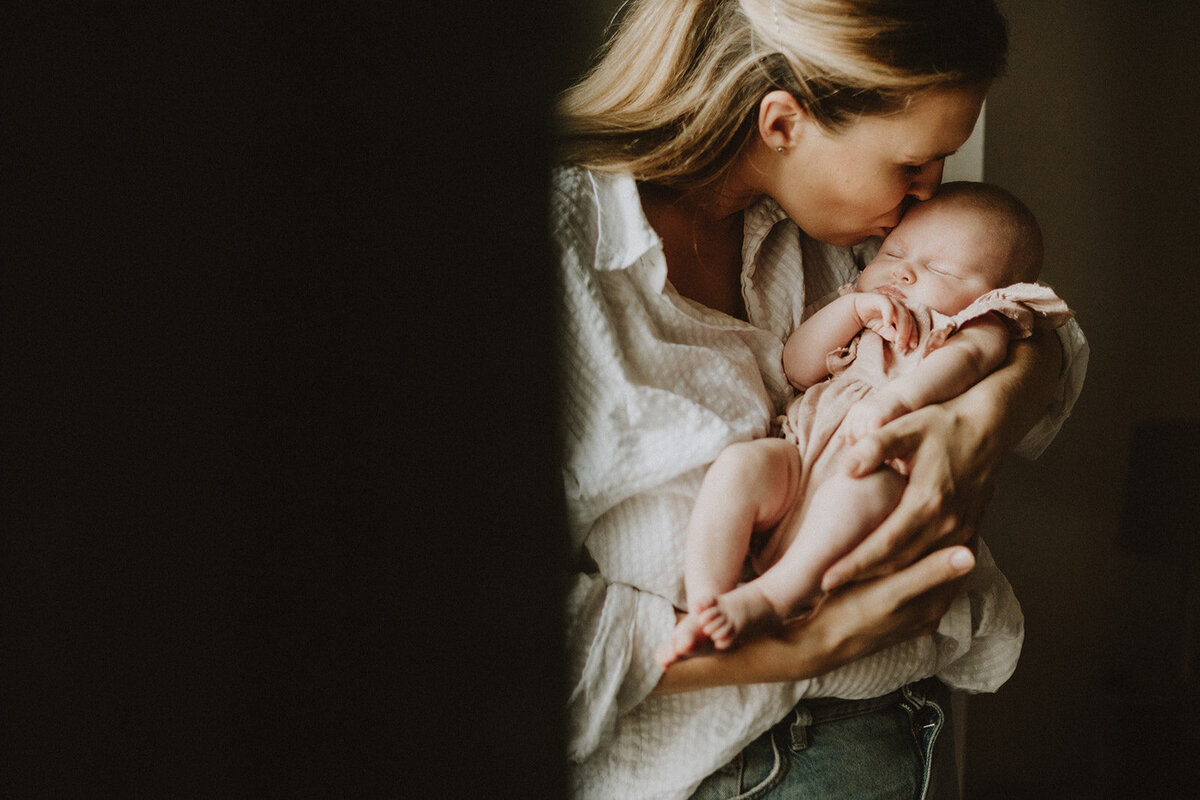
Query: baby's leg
(749,487)
(843,510)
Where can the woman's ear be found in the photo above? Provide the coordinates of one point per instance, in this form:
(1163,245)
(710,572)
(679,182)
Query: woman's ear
(781,120)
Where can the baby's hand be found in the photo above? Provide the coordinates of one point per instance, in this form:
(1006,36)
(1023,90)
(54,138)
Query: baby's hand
(872,413)
(888,317)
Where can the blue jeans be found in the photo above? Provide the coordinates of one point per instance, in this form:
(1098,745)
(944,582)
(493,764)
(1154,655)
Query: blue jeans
(854,749)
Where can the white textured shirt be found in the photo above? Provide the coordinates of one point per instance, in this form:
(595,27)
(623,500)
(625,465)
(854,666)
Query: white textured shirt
(655,386)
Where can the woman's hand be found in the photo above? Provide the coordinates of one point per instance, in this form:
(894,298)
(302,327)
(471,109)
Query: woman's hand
(949,452)
(872,413)
(863,618)
(853,622)
(949,464)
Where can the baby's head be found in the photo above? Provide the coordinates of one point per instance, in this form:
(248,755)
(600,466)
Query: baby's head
(948,250)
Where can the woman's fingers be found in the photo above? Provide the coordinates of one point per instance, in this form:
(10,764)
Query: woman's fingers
(907,533)
(899,538)
(870,616)
(934,511)
(895,440)
(934,570)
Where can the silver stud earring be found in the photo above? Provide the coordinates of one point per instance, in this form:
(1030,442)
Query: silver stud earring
(779,149)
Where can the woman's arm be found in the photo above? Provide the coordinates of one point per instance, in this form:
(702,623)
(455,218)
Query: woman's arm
(849,624)
(952,450)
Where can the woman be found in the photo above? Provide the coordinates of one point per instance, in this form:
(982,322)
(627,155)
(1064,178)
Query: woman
(728,158)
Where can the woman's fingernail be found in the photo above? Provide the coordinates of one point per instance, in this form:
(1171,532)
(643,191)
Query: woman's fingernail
(962,560)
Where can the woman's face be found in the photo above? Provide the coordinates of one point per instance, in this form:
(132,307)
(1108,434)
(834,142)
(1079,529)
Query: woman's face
(843,187)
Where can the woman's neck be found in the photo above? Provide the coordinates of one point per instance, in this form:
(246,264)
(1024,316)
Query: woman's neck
(702,240)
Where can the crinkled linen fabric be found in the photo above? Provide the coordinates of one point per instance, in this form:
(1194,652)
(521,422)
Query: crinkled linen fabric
(654,387)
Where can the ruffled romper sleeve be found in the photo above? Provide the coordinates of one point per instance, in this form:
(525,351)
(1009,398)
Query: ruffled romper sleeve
(1022,306)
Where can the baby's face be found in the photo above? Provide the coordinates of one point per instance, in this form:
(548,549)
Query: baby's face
(940,255)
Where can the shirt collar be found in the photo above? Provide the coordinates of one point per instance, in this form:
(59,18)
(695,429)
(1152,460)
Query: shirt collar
(627,235)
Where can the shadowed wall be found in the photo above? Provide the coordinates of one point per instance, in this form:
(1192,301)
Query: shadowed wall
(1095,128)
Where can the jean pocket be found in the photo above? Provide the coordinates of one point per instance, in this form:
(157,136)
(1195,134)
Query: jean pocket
(753,773)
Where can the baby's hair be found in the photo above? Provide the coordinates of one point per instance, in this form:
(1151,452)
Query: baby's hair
(1009,218)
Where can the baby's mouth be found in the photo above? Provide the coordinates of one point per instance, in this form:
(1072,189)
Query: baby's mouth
(888,290)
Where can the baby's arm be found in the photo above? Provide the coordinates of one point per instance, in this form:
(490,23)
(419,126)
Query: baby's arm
(979,347)
(804,355)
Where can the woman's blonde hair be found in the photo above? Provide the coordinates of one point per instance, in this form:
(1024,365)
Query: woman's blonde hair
(674,97)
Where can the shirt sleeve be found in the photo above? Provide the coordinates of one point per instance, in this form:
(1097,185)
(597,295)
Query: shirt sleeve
(1070,383)
(612,627)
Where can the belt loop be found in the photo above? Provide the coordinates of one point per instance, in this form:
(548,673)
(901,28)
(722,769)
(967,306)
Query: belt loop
(914,695)
(799,728)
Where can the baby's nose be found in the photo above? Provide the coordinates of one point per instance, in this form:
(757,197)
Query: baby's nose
(902,273)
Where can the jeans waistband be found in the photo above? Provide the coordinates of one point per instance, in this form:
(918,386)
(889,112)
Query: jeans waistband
(793,730)
(826,709)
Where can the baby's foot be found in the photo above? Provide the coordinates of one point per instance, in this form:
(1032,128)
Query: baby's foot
(717,625)
(687,639)
(736,616)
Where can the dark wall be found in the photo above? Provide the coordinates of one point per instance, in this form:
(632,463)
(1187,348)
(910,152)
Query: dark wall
(1096,128)
(278,477)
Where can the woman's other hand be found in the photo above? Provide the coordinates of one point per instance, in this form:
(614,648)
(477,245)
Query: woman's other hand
(949,452)
(872,413)
(866,617)
(949,466)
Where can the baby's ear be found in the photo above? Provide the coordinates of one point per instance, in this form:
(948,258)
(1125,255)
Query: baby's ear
(782,121)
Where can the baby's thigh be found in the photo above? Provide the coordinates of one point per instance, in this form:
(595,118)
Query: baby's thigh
(865,501)
(764,473)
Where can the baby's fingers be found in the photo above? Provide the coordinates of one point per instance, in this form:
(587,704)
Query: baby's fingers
(905,326)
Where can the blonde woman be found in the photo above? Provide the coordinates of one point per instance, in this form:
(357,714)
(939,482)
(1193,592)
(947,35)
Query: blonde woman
(726,166)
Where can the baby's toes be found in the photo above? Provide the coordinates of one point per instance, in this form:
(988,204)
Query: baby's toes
(720,630)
